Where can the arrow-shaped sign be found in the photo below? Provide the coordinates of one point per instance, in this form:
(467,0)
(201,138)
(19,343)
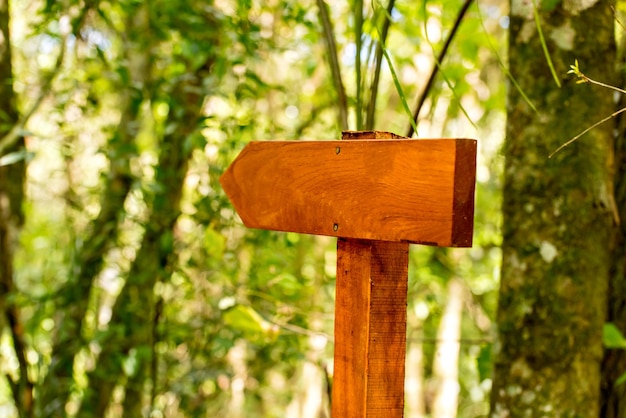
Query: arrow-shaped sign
(419,191)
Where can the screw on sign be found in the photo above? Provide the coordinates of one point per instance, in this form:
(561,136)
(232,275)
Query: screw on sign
(377,192)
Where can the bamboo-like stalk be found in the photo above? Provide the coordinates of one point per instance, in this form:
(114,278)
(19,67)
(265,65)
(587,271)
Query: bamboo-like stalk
(371,107)
(358,40)
(331,44)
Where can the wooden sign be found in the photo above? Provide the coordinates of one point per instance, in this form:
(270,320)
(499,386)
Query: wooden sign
(419,191)
(376,196)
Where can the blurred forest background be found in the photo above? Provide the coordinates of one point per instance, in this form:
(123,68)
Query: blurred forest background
(128,284)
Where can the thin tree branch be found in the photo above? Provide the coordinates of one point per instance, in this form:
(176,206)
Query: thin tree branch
(334,63)
(328,383)
(16,132)
(154,359)
(11,138)
(315,111)
(422,97)
(371,108)
(582,78)
(544,45)
(600,122)
(26,386)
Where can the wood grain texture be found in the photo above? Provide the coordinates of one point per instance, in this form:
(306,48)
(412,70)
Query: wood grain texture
(370,329)
(370,323)
(419,191)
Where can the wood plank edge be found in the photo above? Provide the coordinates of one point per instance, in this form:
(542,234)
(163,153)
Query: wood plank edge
(352,135)
(464,193)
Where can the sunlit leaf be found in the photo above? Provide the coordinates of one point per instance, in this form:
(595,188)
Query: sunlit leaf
(246,320)
(612,337)
(214,243)
(15,157)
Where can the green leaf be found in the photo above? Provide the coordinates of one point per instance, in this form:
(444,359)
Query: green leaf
(484,362)
(544,46)
(396,82)
(247,320)
(612,337)
(214,243)
(15,157)
(620,380)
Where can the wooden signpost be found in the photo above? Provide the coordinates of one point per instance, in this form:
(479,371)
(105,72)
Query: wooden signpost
(377,192)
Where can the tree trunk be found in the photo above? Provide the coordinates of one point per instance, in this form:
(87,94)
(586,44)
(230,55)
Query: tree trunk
(558,215)
(614,362)
(135,307)
(98,238)
(75,296)
(12,174)
(446,361)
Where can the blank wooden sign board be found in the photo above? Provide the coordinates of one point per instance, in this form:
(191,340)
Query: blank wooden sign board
(377,192)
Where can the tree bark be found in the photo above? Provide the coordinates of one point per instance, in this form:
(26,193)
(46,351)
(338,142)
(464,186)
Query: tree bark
(12,175)
(558,215)
(614,361)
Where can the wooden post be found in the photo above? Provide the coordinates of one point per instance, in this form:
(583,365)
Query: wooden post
(376,197)
(370,328)
(370,323)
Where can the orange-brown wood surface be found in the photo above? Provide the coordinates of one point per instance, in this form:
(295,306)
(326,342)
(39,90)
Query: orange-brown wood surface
(370,323)
(419,191)
(370,329)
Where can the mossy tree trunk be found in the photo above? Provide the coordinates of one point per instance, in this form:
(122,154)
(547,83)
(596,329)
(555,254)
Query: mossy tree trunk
(559,214)
(614,362)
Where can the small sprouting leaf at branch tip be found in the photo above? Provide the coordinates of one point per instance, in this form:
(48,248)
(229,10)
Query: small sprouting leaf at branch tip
(575,69)
(584,79)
